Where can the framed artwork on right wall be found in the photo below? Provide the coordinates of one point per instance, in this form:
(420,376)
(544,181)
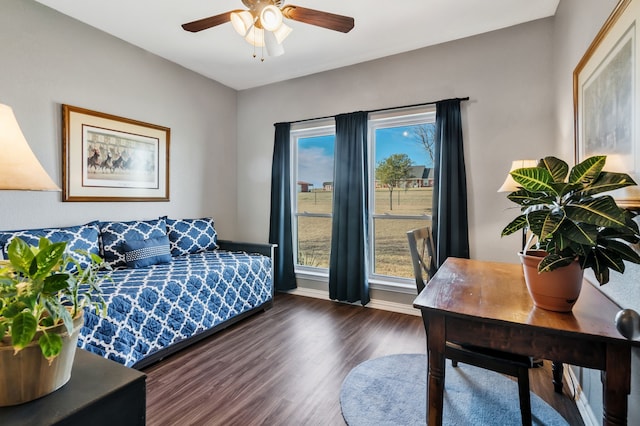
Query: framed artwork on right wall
(606,95)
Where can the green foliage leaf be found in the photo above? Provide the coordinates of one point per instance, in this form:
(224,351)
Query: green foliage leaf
(23,329)
(515,225)
(580,233)
(13,309)
(51,345)
(556,167)
(608,181)
(47,259)
(20,255)
(587,171)
(534,179)
(55,283)
(623,251)
(551,223)
(602,211)
(554,261)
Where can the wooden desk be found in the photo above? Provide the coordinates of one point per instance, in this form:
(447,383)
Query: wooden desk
(487,304)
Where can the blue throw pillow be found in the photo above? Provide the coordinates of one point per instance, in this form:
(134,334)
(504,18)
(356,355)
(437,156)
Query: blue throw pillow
(142,253)
(82,237)
(115,234)
(189,236)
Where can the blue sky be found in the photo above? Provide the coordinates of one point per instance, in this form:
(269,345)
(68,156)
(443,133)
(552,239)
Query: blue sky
(315,154)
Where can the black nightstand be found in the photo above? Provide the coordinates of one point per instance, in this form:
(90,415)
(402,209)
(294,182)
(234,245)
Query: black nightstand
(100,392)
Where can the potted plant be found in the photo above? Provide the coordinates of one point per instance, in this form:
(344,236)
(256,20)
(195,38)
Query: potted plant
(43,291)
(575,228)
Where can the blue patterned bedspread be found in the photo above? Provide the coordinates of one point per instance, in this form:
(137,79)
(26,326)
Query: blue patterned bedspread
(151,308)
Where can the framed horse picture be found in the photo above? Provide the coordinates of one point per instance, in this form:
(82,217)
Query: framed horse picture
(110,158)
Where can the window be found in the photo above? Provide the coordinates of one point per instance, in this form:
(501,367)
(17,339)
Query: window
(313,177)
(401,145)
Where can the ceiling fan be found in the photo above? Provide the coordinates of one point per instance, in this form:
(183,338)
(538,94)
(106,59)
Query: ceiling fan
(262,24)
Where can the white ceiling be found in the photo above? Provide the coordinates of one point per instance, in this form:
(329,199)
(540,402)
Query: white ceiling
(382,28)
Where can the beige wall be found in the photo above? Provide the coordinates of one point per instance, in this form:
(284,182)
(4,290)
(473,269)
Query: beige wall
(49,59)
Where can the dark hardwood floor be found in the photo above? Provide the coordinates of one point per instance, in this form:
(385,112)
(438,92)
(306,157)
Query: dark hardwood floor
(285,367)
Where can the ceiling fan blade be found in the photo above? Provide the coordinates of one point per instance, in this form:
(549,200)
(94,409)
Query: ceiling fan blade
(331,21)
(205,23)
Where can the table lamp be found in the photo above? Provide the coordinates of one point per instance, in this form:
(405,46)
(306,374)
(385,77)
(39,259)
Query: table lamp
(509,184)
(19,167)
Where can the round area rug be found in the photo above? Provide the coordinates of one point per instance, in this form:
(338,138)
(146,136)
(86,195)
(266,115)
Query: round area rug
(392,391)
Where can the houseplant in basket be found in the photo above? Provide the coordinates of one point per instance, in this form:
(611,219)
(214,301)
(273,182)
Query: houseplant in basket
(43,291)
(575,227)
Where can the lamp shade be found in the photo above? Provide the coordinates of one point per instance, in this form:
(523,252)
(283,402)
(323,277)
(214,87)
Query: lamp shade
(273,47)
(242,21)
(270,18)
(511,185)
(19,167)
(282,32)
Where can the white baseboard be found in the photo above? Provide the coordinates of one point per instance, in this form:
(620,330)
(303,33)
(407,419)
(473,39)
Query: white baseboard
(588,417)
(374,303)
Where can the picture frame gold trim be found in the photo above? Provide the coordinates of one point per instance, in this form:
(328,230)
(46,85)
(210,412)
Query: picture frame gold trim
(111,158)
(606,96)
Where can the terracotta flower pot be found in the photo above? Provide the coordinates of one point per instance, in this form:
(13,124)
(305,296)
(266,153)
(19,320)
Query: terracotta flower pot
(556,290)
(28,375)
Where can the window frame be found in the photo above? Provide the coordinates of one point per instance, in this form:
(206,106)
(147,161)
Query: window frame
(382,120)
(308,129)
(326,127)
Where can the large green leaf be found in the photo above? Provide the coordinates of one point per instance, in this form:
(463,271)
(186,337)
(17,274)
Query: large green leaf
(556,167)
(55,283)
(608,181)
(537,220)
(20,255)
(551,223)
(611,259)
(624,251)
(515,225)
(581,233)
(51,345)
(534,179)
(601,211)
(527,198)
(23,329)
(554,261)
(587,171)
(48,258)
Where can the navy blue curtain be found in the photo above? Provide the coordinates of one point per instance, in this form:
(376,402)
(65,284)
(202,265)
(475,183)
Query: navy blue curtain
(280,223)
(348,265)
(450,224)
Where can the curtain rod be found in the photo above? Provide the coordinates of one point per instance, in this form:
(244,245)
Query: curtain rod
(383,109)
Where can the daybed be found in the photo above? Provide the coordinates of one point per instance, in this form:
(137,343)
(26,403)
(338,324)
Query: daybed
(173,283)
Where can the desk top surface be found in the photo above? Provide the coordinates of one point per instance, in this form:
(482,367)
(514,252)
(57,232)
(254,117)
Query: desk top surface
(496,292)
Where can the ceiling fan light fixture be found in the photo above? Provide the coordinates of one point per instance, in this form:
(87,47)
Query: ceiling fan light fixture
(242,22)
(274,48)
(271,18)
(255,37)
(282,32)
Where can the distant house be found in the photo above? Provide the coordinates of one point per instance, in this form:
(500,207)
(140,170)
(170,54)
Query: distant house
(327,186)
(420,177)
(304,186)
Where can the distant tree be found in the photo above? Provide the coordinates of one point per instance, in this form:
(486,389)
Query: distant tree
(425,134)
(392,171)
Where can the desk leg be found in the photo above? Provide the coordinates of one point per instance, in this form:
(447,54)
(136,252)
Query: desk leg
(616,385)
(435,376)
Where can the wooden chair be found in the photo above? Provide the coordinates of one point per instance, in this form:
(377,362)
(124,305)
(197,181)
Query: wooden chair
(422,251)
